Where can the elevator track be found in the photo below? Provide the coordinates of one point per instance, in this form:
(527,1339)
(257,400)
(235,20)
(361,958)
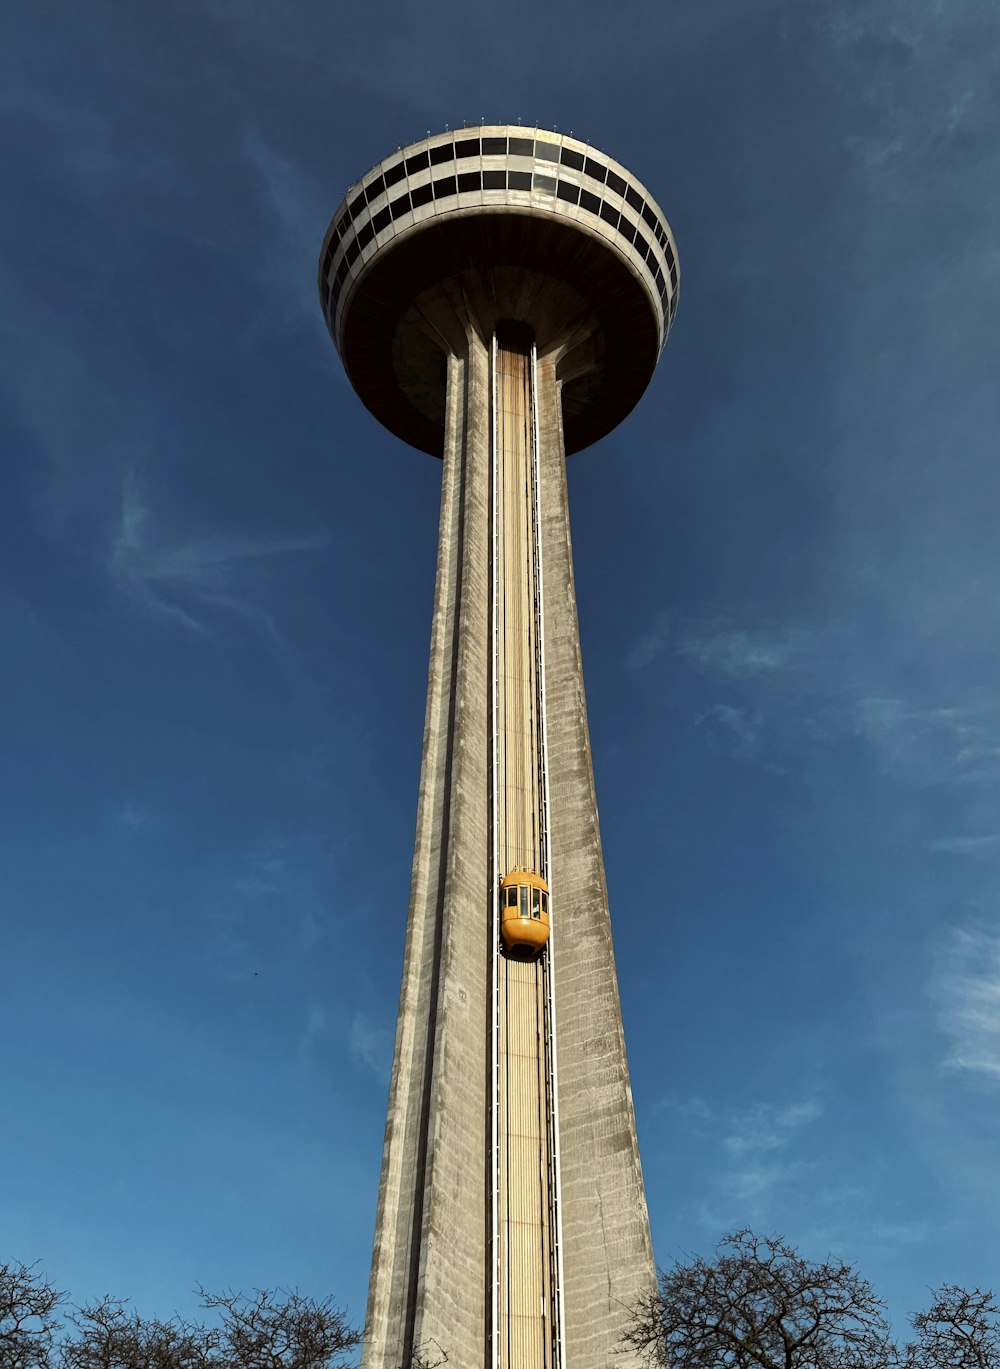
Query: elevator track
(526,1330)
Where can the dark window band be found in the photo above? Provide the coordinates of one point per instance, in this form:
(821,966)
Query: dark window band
(447,186)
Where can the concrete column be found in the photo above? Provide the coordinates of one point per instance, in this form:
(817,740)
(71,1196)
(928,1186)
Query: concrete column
(428,1280)
(607,1253)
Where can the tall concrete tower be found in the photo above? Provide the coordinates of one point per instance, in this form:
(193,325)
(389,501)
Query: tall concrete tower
(499,297)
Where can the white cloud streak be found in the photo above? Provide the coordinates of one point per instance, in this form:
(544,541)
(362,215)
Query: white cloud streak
(371,1046)
(968,993)
(193,583)
(739,652)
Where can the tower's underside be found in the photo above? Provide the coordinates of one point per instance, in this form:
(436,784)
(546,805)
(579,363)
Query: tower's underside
(500,297)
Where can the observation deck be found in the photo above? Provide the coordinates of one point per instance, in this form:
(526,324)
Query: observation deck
(491,223)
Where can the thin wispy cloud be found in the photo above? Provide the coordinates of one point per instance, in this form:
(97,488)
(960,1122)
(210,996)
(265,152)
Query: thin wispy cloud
(313,1030)
(957,742)
(267,911)
(737,728)
(968,992)
(131,817)
(370,1045)
(294,210)
(651,645)
(982,846)
(740,652)
(195,583)
(762,1152)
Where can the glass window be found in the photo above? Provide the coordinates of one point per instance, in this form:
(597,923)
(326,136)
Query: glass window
(589,201)
(467,147)
(469,180)
(668,252)
(536,903)
(357,204)
(335,294)
(547,152)
(521,147)
(627,229)
(365,235)
(511,892)
(545,903)
(327,260)
(524,901)
(649,216)
(570,158)
(595,169)
(634,199)
(374,189)
(444,185)
(616,182)
(567,191)
(417,162)
(519,180)
(381,219)
(342,226)
(342,269)
(673,276)
(352,253)
(421,195)
(545,183)
(494,147)
(400,207)
(444,152)
(494,180)
(395,174)
(609,214)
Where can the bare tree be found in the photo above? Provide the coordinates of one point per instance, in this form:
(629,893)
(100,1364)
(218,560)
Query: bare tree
(268,1330)
(108,1335)
(278,1331)
(960,1330)
(28,1317)
(759,1305)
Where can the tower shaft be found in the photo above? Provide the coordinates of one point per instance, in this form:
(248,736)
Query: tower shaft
(525,1320)
(511,1228)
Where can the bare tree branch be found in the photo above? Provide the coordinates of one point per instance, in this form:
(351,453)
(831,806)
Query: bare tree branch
(28,1317)
(960,1330)
(760,1305)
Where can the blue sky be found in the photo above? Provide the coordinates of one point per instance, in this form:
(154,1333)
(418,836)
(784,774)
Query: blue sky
(216,575)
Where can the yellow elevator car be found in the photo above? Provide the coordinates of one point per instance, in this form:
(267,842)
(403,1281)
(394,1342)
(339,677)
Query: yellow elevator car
(524,911)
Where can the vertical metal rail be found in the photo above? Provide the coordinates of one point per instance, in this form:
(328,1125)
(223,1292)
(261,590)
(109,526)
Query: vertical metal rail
(494,881)
(555,1189)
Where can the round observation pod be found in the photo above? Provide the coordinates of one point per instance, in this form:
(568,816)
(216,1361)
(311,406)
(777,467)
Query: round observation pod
(524,911)
(463,229)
